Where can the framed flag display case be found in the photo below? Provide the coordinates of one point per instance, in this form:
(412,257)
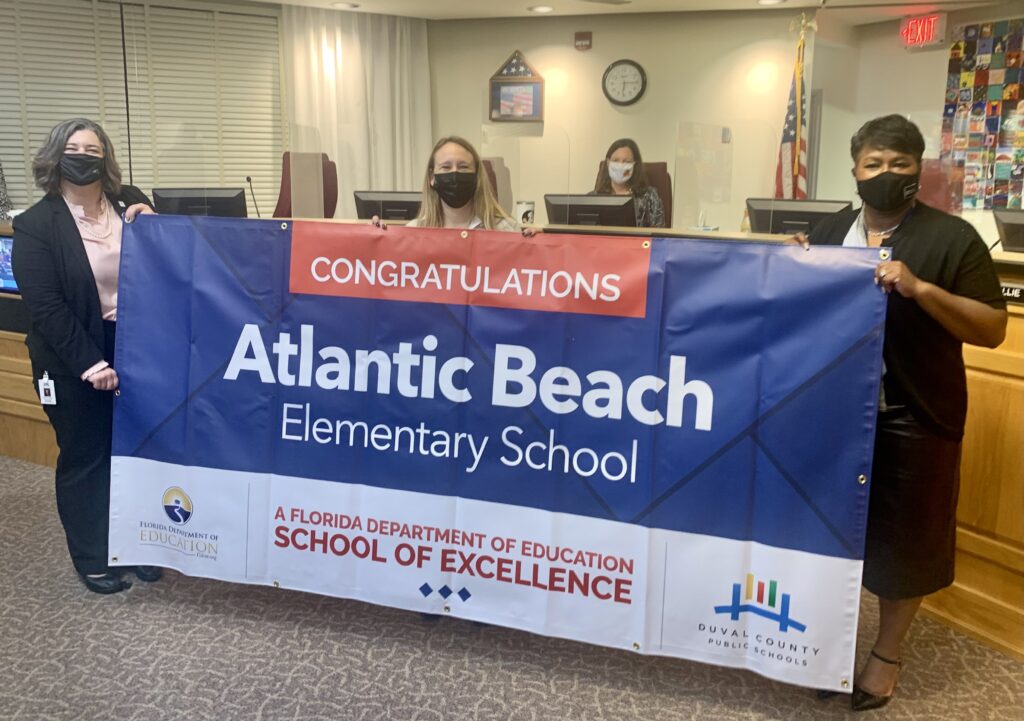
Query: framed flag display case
(517,92)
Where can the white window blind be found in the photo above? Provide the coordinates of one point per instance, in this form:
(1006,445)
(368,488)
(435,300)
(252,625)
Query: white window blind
(203,86)
(59,59)
(205,94)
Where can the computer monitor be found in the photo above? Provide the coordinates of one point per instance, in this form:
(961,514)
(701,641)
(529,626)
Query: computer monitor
(7,282)
(604,210)
(1010,224)
(787,217)
(387,204)
(220,202)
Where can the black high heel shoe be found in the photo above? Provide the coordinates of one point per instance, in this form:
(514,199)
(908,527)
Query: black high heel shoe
(105,584)
(862,700)
(149,574)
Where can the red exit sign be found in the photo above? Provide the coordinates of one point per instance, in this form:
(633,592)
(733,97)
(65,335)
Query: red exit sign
(923,31)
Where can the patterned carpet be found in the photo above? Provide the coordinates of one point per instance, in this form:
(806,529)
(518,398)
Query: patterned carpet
(195,649)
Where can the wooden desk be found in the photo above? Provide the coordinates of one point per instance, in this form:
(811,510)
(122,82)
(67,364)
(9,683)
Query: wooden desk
(987,599)
(667,233)
(6,228)
(24,430)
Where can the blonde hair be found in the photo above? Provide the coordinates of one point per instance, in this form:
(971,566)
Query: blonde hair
(485,204)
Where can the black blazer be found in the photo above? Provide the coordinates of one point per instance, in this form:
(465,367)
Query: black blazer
(57,285)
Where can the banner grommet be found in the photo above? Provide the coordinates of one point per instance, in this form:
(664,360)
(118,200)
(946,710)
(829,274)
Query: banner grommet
(862,479)
(884,254)
(284,226)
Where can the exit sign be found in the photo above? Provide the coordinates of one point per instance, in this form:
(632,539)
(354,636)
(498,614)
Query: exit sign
(924,31)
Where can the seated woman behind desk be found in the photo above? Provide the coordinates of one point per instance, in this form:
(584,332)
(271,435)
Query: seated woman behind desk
(622,173)
(457,193)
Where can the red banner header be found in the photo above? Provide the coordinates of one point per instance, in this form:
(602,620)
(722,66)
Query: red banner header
(599,275)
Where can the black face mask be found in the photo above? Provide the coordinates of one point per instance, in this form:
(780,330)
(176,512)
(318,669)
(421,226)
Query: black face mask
(455,189)
(888,191)
(81,169)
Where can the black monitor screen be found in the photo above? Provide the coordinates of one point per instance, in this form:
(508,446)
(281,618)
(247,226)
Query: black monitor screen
(6,274)
(220,202)
(387,204)
(787,217)
(1010,224)
(603,210)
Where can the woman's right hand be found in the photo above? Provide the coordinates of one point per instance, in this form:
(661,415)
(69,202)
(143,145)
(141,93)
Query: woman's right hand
(799,239)
(378,223)
(104,380)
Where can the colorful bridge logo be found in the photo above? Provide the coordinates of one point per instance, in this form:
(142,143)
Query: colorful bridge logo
(751,598)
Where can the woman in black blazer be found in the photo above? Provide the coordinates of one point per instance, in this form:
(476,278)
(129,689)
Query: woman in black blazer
(65,260)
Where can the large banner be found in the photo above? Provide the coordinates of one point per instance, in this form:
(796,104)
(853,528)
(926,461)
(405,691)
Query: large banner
(661,445)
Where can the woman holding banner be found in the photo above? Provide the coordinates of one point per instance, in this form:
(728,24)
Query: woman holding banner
(942,292)
(457,192)
(67,250)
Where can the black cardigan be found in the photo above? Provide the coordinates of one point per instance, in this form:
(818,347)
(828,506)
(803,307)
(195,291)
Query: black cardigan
(924,367)
(58,287)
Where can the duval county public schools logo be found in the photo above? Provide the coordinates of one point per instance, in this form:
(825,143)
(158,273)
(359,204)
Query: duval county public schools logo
(177,506)
(751,597)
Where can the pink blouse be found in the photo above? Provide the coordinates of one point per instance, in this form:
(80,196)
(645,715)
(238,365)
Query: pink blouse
(102,239)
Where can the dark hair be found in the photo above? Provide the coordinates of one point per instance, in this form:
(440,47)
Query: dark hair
(891,132)
(46,164)
(638,181)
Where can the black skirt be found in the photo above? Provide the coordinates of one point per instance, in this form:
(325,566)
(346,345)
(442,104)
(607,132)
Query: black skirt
(911,536)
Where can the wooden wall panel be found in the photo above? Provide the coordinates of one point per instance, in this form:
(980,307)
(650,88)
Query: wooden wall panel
(987,599)
(24,431)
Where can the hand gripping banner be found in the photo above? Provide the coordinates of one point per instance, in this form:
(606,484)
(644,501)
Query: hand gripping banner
(661,445)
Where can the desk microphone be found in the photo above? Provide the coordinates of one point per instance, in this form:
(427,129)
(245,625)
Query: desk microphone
(998,241)
(248,179)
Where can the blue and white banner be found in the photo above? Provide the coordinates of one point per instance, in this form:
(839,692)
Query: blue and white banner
(661,445)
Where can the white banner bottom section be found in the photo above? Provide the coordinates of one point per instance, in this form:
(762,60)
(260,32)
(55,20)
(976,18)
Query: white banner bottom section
(788,615)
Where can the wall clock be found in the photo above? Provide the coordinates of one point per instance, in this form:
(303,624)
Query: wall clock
(624,82)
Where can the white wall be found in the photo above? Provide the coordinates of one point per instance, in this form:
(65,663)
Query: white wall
(717,69)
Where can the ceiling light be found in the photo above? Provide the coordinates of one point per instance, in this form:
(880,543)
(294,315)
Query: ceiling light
(344,6)
(540,9)
(770,2)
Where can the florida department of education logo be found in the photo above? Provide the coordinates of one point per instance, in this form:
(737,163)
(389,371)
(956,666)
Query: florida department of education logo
(177,506)
(762,600)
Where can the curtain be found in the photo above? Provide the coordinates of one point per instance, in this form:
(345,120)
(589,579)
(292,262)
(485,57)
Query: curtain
(358,88)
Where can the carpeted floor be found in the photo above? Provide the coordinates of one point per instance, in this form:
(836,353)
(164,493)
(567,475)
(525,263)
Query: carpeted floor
(195,649)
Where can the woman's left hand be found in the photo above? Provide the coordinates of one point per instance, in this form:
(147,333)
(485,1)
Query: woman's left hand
(894,275)
(529,232)
(133,210)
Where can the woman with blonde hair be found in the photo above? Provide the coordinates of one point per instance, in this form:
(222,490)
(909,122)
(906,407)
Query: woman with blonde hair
(457,192)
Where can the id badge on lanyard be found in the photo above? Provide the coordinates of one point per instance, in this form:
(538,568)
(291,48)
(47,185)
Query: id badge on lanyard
(47,393)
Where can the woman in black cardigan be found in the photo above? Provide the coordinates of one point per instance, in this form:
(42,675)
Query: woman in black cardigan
(65,259)
(942,292)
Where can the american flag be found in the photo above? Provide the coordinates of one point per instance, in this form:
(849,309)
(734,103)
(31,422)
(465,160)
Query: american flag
(791,171)
(516,67)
